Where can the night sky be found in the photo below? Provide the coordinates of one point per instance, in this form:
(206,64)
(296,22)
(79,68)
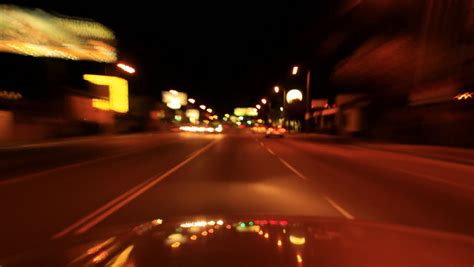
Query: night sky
(224,55)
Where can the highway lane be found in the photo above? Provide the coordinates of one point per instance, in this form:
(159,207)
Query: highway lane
(385,186)
(141,178)
(34,209)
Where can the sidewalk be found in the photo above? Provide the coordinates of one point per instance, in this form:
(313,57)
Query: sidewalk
(67,140)
(451,154)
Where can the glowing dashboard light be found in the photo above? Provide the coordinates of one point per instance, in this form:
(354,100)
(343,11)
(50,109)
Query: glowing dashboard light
(191,100)
(157,222)
(100,257)
(176,244)
(299,259)
(193,224)
(266,235)
(203,107)
(122,258)
(296,240)
(279,243)
(464,96)
(220,222)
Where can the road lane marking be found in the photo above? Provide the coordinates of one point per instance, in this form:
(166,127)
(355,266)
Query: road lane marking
(271,151)
(103,212)
(21,178)
(344,213)
(142,190)
(295,171)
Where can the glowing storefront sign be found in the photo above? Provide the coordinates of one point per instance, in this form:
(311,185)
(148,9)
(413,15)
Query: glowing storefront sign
(249,112)
(118,92)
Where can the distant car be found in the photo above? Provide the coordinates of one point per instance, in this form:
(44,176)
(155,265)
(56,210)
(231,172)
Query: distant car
(275,131)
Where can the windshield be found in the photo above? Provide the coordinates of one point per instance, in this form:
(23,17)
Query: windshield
(120,113)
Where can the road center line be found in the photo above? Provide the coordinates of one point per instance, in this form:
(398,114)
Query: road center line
(295,171)
(344,213)
(103,212)
(271,151)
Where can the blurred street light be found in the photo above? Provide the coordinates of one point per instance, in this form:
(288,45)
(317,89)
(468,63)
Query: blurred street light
(276,89)
(258,106)
(202,107)
(295,70)
(281,109)
(209,110)
(126,68)
(294,95)
(174,92)
(264,101)
(191,100)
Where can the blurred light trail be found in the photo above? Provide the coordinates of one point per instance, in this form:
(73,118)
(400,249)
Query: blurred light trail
(126,68)
(464,96)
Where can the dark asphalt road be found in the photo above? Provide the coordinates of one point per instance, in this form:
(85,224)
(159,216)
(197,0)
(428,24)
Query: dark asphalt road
(64,188)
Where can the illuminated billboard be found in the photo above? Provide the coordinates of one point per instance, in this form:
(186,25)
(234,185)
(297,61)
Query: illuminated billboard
(33,32)
(249,112)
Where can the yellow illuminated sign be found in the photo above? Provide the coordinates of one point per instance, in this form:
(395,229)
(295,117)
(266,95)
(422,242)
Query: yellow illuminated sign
(101,104)
(118,92)
(250,112)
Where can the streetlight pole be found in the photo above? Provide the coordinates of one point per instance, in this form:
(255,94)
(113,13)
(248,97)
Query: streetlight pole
(307,115)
